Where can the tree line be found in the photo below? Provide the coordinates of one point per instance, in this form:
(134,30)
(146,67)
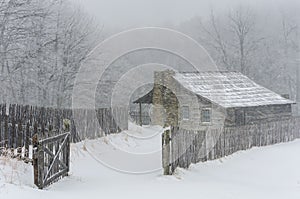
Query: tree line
(261,44)
(42,43)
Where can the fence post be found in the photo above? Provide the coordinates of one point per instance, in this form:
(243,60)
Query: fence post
(67,125)
(6,133)
(19,140)
(38,162)
(166,151)
(35,143)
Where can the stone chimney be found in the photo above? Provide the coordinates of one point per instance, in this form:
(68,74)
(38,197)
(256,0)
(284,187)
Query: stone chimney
(165,103)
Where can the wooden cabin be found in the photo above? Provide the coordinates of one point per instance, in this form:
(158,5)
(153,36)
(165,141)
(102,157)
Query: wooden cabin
(197,100)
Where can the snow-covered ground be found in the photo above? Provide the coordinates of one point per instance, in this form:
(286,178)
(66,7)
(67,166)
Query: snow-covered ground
(267,172)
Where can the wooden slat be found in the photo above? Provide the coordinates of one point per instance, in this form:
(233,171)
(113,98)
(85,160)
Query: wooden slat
(54,177)
(54,138)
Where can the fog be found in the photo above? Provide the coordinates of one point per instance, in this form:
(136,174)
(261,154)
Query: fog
(39,60)
(132,13)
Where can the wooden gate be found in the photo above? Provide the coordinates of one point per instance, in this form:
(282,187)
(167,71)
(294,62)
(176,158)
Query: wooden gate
(51,159)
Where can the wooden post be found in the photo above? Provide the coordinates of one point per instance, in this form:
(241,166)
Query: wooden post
(68,153)
(35,161)
(67,125)
(38,161)
(12,128)
(141,122)
(19,141)
(6,143)
(166,152)
(27,140)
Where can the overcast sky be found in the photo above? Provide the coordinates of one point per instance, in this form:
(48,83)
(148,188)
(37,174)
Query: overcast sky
(129,13)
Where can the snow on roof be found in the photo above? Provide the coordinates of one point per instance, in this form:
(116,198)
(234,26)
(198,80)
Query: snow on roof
(229,89)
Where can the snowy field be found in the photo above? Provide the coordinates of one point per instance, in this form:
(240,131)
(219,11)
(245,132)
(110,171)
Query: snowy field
(268,172)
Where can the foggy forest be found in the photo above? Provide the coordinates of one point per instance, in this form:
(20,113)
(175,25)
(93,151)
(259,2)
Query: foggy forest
(43,43)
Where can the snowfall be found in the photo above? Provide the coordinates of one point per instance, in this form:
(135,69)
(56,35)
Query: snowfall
(128,165)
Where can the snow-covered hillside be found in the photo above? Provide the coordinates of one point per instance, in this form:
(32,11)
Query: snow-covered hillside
(268,172)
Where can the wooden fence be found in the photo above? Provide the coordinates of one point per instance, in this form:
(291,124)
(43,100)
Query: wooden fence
(183,147)
(38,135)
(19,123)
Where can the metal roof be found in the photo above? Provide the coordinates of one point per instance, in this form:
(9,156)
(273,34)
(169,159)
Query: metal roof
(229,89)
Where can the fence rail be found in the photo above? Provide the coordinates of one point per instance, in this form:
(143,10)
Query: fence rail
(183,147)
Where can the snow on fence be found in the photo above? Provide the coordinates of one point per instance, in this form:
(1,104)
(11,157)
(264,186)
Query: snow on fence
(183,147)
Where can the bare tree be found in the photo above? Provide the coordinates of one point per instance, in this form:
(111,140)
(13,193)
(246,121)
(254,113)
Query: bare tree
(242,25)
(42,43)
(233,38)
(216,39)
